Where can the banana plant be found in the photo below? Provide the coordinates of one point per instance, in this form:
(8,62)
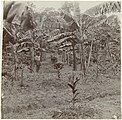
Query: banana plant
(75,92)
(66,37)
(105,8)
(86,21)
(25,34)
(14,51)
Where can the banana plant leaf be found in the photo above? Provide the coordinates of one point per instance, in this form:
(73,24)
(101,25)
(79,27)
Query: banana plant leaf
(104,8)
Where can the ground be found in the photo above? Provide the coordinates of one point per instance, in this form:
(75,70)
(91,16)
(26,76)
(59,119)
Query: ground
(44,96)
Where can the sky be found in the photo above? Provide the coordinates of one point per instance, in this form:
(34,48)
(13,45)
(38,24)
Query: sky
(84,5)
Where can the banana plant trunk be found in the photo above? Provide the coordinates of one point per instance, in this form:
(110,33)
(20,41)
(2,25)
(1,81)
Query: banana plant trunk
(97,72)
(15,65)
(89,58)
(2,110)
(74,58)
(97,61)
(82,59)
(64,56)
(22,84)
(32,58)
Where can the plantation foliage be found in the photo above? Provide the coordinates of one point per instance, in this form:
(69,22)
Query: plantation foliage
(91,37)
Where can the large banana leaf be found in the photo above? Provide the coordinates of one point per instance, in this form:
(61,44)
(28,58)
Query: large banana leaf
(105,8)
(12,9)
(61,36)
(16,13)
(66,45)
(7,7)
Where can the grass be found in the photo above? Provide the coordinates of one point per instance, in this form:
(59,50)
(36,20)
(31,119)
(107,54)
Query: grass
(44,96)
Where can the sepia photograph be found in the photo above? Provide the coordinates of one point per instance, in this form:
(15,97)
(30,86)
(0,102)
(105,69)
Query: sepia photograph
(61,60)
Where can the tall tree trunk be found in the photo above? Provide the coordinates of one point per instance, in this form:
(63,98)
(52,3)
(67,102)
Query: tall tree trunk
(108,50)
(82,57)
(105,56)
(2,110)
(14,48)
(70,59)
(64,56)
(32,58)
(74,58)
(97,64)
(15,65)
(67,58)
(22,75)
(89,58)
(22,70)
(15,68)
(82,60)
(45,55)
(31,51)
